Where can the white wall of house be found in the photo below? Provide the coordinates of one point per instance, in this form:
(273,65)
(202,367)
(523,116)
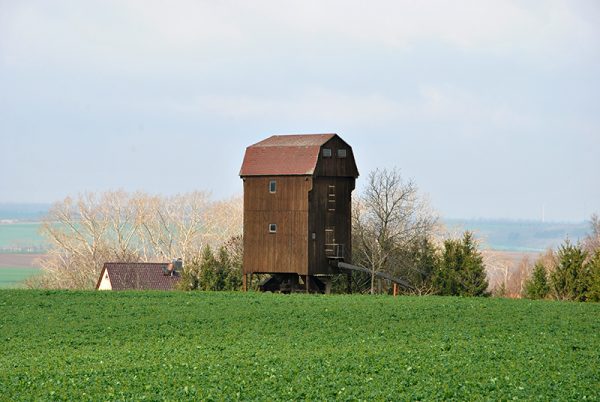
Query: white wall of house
(105,282)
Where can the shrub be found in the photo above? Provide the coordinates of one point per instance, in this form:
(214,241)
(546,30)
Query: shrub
(536,286)
(593,290)
(461,271)
(190,275)
(210,272)
(570,277)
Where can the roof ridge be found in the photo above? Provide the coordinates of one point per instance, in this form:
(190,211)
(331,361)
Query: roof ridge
(288,155)
(289,140)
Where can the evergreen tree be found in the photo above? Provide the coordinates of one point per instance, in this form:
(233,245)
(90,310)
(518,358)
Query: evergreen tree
(210,275)
(473,278)
(593,290)
(536,286)
(445,278)
(230,271)
(569,281)
(461,270)
(190,275)
(215,273)
(423,263)
(416,264)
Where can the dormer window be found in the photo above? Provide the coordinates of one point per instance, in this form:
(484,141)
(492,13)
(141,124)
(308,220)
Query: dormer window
(272,186)
(326,152)
(341,153)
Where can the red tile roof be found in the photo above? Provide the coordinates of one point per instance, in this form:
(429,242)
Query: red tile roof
(295,154)
(129,275)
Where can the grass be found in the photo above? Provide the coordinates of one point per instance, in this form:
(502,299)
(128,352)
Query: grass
(11,277)
(61,345)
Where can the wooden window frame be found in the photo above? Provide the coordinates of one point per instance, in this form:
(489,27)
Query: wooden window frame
(342,153)
(272,228)
(327,153)
(272,186)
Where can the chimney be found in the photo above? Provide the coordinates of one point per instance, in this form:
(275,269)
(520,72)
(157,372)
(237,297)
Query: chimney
(168,271)
(177,264)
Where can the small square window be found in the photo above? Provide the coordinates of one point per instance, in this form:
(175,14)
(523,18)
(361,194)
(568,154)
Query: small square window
(326,152)
(272,186)
(272,228)
(341,153)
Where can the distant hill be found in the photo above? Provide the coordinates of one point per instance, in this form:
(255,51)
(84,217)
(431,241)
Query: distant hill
(509,235)
(19,227)
(23,212)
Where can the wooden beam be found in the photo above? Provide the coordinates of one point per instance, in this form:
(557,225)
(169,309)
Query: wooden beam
(382,275)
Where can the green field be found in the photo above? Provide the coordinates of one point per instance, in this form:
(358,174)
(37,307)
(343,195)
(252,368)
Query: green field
(61,345)
(11,277)
(21,237)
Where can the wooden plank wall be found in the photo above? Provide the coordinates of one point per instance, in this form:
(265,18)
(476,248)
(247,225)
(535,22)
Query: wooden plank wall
(300,208)
(320,218)
(284,251)
(334,166)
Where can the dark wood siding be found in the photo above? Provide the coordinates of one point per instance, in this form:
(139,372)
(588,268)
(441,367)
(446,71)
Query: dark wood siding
(287,249)
(335,166)
(326,224)
(322,219)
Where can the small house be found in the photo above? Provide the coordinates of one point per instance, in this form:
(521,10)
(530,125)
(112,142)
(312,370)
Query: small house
(137,276)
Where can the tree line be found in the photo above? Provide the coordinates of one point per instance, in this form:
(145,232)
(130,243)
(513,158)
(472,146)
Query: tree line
(215,272)
(395,231)
(116,226)
(572,272)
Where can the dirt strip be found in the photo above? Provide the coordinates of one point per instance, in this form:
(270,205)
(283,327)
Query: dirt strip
(20,260)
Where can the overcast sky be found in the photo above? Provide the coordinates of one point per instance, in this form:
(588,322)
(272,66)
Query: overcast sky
(492,107)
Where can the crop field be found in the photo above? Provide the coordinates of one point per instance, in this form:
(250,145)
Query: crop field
(21,237)
(11,277)
(61,345)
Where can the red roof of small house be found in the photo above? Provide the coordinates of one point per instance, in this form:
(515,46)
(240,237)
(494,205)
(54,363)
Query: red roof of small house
(139,276)
(295,154)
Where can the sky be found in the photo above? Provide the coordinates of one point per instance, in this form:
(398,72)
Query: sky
(491,107)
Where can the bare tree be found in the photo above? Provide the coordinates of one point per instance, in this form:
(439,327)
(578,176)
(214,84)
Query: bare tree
(118,226)
(77,231)
(173,226)
(591,242)
(120,210)
(387,218)
(498,271)
(524,271)
(506,274)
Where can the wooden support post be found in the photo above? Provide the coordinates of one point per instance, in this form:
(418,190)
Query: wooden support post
(307,283)
(245,282)
(349,289)
(395,289)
